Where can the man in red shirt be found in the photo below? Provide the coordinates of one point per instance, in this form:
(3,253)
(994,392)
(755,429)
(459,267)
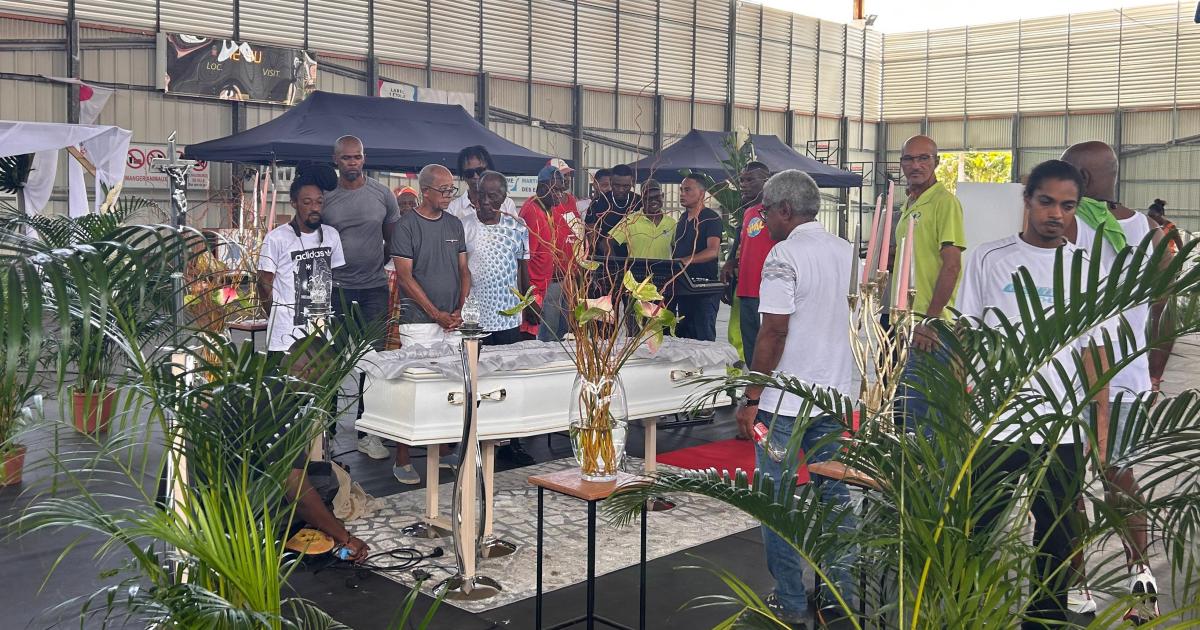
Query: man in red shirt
(750,250)
(551,245)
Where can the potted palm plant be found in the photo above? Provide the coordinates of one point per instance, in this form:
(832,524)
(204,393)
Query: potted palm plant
(924,558)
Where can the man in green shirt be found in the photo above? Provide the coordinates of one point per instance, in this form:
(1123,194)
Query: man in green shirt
(646,233)
(938,244)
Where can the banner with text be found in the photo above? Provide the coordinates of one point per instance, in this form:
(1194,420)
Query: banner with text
(235,71)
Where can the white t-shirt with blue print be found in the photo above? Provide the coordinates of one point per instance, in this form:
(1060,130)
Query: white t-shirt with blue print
(492,255)
(988,281)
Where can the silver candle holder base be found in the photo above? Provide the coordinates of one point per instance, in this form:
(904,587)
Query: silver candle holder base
(460,588)
(426,531)
(493,547)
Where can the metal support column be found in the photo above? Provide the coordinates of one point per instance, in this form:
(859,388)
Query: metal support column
(660,106)
(72,63)
(731,63)
(372,63)
(1118,122)
(1016,154)
(844,193)
(581,183)
(483,106)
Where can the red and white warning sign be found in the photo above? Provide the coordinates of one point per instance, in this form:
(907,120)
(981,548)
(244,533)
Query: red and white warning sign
(140,174)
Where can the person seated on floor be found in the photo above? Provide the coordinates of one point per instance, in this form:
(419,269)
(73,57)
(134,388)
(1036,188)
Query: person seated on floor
(306,358)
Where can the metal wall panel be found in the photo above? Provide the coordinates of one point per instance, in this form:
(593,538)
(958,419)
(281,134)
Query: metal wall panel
(712,48)
(510,96)
(677,116)
(597,155)
(803,96)
(403,74)
(152,117)
(48,8)
(1187,88)
(347,34)
(552,20)
(11,28)
(1030,158)
(598,49)
(118,65)
(1188,123)
(869,136)
(830,90)
(710,117)
(1175,163)
(257,114)
(535,138)
(455,35)
(332,82)
(854,95)
(1042,131)
(774,85)
(599,109)
(947,72)
(266,21)
(32,102)
(948,134)
(675,50)
(989,133)
(213,17)
(401,30)
(904,74)
(128,13)
(992,69)
(1096,49)
(744,117)
(552,103)
(506,38)
(827,128)
(1146,127)
(802,130)
(873,76)
(455,82)
(773,123)
(1081,128)
(745,89)
(33,62)
(635,113)
(898,132)
(637,49)
(1147,55)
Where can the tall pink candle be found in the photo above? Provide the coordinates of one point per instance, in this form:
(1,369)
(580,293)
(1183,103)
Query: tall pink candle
(887,228)
(904,270)
(872,242)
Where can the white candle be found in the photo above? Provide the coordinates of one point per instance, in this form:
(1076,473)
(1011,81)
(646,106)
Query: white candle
(854,257)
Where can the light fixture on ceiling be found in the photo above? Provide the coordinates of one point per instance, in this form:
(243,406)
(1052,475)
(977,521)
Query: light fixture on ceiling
(870,21)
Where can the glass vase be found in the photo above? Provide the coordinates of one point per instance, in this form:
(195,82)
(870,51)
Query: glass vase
(598,426)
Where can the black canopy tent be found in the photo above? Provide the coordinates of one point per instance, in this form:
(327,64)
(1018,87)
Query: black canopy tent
(703,151)
(400,136)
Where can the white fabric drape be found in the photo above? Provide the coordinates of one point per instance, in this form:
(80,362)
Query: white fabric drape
(105,146)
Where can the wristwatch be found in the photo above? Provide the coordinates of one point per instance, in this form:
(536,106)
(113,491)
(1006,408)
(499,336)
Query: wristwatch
(749,402)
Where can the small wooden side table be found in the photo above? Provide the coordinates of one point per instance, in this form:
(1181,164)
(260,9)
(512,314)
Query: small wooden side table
(252,326)
(570,483)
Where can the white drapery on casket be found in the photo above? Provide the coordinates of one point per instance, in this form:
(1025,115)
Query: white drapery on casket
(105,146)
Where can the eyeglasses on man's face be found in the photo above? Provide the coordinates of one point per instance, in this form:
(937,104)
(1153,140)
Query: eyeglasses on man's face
(445,191)
(923,158)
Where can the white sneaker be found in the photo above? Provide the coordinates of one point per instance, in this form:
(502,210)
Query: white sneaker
(372,447)
(1144,587)
(1080,602)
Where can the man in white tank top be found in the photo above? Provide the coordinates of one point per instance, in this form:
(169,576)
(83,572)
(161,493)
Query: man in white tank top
(1117,228)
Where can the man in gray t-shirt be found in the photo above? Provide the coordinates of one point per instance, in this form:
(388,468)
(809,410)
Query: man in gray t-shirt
(364,212)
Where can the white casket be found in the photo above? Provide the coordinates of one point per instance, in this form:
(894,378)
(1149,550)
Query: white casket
(415,395)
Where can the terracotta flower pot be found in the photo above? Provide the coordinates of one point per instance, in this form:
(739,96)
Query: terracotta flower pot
(92,410)
(14,464)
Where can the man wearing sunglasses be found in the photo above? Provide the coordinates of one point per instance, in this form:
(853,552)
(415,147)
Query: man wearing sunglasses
(473,162)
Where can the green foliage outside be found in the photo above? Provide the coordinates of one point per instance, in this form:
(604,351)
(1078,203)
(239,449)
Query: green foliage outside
(990,167)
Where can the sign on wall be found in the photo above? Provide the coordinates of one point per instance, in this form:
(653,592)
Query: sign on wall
(400,91)
(235,71)
(139,174)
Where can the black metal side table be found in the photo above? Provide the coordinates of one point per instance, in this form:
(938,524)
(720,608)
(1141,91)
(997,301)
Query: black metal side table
(570,483)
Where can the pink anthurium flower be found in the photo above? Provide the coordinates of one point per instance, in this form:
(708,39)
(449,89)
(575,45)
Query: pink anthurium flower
(649,309)
(226,295)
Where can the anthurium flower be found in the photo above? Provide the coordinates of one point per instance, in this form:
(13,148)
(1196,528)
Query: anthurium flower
(226,295)
(649,309)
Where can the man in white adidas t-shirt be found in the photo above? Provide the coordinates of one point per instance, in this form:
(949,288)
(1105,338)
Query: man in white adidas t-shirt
(1117,228)
(1051,195)
(805,335)
(295,268)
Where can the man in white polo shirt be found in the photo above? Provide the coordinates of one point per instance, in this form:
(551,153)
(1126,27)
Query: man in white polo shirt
(1052,192)
(802,300)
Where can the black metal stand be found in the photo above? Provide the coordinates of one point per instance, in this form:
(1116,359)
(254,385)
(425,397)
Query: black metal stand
(591,618)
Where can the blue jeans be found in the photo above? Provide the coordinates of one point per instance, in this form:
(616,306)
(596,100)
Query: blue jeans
(783,560)
(699,316)
(748,322)
(911,403)
(554,314)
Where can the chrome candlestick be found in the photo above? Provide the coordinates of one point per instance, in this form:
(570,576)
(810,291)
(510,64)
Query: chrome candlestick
(469,512)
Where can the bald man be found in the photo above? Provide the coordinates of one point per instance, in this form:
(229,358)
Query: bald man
(938,244)
(1099,217)
(364,212)
(429,251)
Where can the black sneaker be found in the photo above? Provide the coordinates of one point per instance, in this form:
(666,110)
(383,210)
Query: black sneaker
(515,454)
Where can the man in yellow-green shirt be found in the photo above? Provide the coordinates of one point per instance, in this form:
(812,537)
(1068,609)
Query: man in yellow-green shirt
(648,232)
(938,244)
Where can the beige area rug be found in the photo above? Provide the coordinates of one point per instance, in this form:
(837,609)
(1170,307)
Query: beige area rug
(694,521)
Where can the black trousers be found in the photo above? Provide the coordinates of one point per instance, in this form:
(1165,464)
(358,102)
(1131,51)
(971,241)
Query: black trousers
(503,337)
(1055,521)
